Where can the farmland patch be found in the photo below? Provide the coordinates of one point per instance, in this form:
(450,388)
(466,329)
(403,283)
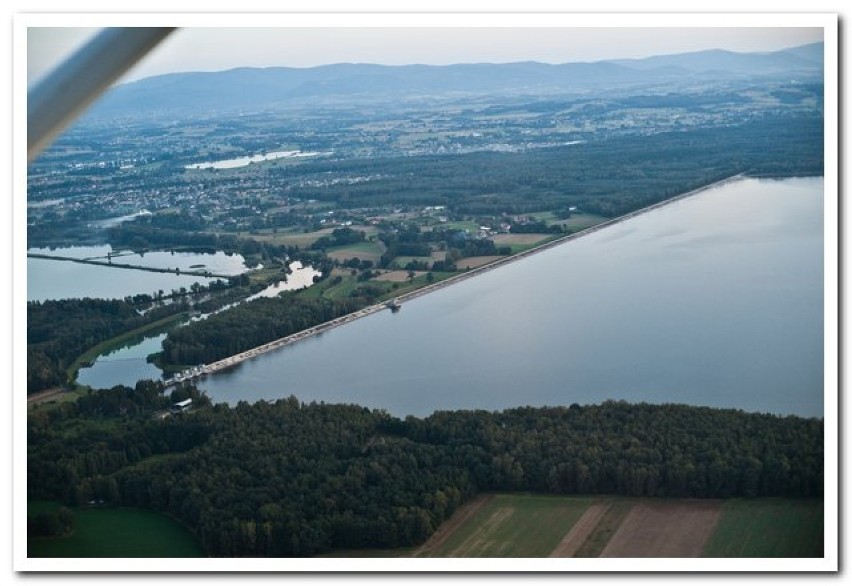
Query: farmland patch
(665,529)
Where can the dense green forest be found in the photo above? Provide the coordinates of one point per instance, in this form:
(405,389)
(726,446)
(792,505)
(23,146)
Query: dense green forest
(295,479)
(611,177)
(59,331)
(249,325)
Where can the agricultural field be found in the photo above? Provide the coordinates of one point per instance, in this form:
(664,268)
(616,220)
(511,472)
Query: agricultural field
(402,261)
(519,242)
(509,526)
(587,526)
(397,276)
(581,221)
(108,532)
(367,250)
(768,528)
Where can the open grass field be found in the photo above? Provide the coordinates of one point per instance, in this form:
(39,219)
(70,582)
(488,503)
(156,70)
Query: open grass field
(371,251)
(401,261)
(577,221)
(520,242)
(300,238)
(524,525)
(768,528)
(289,237)
(581,221)
(397,276)
(117,532)
(513,526)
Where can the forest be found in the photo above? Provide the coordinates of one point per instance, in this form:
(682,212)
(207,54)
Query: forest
(611,177)
(296,479)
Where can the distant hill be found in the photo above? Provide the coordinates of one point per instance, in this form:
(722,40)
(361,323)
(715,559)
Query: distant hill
(282,87)
(804,59)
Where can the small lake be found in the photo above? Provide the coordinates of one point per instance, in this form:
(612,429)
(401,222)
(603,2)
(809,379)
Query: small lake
(714,300)
(59,279)
(246,161)
(127,365)
(124,366)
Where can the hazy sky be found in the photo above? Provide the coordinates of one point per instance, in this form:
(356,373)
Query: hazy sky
(212,49)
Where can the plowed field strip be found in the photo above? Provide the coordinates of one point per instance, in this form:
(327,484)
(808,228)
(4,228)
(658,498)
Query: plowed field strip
(605,529)
(665,529)
(580,532)
(462,515)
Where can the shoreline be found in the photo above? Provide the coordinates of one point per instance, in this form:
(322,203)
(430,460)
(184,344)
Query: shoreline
(85,261)
(236,359)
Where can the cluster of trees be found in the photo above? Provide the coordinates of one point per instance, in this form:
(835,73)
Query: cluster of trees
(59,331)
(164,231)
(109,430)
(536,227)
(249,325)
(56,523)
(339,237)
(295,479)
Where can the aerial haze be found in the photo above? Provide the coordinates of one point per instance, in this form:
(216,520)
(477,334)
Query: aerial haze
(216,49)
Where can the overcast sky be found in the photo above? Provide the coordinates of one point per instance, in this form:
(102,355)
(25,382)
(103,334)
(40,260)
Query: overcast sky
(214,49)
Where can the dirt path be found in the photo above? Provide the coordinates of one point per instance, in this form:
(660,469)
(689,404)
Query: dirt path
(665,529)
(461,516)
(43,396)
(581,530)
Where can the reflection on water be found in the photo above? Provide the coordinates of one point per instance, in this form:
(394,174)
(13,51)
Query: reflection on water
(713,300)
(129,364)
(245,161)
(57,279)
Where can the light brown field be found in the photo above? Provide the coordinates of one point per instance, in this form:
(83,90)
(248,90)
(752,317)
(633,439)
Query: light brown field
(580,532)
(475,261)
(665,529)
(300,239)
(45,396)
(396,276)
(461,516)
(524,239)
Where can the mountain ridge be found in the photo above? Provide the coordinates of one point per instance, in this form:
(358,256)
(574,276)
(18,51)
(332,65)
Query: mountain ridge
(280,86)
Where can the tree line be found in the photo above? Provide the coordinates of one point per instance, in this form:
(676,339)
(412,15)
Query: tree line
(296,479)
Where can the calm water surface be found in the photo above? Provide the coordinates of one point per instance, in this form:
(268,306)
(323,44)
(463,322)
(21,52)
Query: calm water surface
(714,300)
(127,365)
(56,279)
(246,161)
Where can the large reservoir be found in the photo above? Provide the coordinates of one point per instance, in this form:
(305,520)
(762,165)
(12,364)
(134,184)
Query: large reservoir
(713,300)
